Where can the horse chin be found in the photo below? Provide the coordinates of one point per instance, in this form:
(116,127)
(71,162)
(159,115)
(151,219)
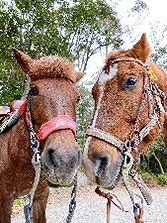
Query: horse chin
(56,185)
(106,182)
(52,182)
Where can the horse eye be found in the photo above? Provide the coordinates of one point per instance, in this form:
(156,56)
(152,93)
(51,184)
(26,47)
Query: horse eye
(33,91)
(130,83)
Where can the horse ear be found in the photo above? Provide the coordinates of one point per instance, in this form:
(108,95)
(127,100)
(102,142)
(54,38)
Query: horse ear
(23,59)
(142,49)
(79,75)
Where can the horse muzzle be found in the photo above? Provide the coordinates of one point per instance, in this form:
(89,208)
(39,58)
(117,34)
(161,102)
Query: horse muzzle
(61,156)
(107,173)
(102,166)
(60,164)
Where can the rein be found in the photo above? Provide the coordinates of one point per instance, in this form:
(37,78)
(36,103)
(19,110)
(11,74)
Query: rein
(109,197)
(129,148)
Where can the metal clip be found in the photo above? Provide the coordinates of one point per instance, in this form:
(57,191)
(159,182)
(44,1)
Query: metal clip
(28,213)
(36,159)
(128,158)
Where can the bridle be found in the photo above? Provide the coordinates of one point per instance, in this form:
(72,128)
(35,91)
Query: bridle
(21,108)
(151,93)
(60,122)
(155,99)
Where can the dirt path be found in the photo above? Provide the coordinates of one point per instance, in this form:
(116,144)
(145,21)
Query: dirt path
(92,209)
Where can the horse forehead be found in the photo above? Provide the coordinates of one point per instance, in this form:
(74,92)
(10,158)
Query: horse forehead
(121,68)
(52,66)
(56,87)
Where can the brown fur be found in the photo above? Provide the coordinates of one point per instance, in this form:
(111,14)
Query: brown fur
(118,111)
(61,156)
(48,67)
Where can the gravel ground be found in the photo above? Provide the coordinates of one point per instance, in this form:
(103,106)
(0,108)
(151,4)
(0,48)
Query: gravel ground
(92,209)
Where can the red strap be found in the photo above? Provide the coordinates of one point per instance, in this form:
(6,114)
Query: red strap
(57,123)
(22,108)
(18,105)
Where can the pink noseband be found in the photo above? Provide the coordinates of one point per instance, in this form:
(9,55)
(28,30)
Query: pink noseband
(58,123)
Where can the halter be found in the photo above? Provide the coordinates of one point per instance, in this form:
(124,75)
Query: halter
(151,92)
(61,122)
(129,147)
(58,123)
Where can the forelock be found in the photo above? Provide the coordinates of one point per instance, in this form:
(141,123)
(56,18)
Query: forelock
(51,67)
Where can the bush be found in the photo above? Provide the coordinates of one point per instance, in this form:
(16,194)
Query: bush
(148,178)
(162,179)
(153,160)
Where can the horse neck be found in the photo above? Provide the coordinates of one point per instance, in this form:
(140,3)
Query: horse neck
(20,131)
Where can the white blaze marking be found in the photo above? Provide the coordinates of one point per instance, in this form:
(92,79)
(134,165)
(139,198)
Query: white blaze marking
(103,78)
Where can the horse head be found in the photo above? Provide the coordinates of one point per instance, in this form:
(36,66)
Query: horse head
(52,98)
(124,114)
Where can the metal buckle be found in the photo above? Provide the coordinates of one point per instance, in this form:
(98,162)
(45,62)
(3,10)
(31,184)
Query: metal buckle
(36,159)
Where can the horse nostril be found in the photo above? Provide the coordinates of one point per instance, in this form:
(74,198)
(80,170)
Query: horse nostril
(76,159)
(73,162)
(101,166)
(79,156)
(58,160)
(51,157)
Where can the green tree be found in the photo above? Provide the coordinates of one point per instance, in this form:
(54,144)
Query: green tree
(73,29)
(84,113)
(155,161)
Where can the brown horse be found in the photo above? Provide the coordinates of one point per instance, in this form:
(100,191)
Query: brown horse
(129,113)
(50,111)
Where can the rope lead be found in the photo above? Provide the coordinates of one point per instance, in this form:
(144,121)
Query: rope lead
(72,204)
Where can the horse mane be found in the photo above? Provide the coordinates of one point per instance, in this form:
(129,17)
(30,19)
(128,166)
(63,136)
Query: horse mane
(52,66)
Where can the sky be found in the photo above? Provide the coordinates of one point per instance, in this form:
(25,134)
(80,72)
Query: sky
(141,23)
(138,25)
(157,9)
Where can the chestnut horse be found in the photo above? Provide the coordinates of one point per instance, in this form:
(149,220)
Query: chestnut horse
(129,113)
(49,117)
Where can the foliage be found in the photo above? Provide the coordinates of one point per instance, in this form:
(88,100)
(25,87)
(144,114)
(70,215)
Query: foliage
(84,114)
(160,56)
(153,165)
(11,83)
(149,178)
(18,203)
(73,29)
(157,149)
(141,20)
(162,179)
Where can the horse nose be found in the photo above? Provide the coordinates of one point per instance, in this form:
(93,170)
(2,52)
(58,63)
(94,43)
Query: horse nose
(58,160)
(101,165)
